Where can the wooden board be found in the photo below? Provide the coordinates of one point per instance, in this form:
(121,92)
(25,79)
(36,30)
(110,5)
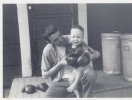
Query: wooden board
(13,90)
(109,82)
(41,94)
(127,92)
(19,83)
(108,94)
(106,86)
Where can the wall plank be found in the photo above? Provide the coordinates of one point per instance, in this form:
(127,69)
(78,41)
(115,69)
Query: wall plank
(11,47)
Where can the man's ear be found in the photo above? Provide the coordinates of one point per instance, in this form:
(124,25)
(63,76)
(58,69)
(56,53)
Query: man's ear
(47,41)
(67,37)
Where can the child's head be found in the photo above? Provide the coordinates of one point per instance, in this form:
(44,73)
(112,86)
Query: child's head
(77,35)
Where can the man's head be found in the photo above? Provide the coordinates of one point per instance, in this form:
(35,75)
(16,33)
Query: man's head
(77,35)
(53,35)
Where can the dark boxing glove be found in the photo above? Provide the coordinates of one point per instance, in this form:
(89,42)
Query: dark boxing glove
(29,89)
(42,87)
(71,59)
(84,59)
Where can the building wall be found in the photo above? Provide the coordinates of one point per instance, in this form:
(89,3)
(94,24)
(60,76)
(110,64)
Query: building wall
(106,18)
(11,46)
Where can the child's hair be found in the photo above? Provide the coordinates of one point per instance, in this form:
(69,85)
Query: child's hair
(78,27)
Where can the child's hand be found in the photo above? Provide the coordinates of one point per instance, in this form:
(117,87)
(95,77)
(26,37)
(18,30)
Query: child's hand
(63,62)
(71,89)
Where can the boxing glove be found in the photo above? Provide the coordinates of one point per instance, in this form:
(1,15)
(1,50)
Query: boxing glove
(42,87)
(84,59)
(29,89)
(71,59)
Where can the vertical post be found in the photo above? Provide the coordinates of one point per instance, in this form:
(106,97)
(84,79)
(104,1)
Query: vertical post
(82,19)
(24,40)
(1,51)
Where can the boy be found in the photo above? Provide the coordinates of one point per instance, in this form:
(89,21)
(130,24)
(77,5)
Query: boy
(77,58)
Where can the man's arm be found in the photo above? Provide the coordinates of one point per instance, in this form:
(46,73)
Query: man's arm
(44,64)
(47,59)
(55,68)
(94,53)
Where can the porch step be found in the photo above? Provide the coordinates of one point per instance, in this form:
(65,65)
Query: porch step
(112,86)
(106,86)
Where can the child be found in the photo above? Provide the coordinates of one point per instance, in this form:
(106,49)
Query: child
(77,58)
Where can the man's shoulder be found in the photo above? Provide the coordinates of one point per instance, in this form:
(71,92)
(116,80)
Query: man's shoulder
(48,48)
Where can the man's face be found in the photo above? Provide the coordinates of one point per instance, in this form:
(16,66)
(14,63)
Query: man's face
(56,38)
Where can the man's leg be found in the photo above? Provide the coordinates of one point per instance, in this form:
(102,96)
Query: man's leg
(57,89)
(88,82)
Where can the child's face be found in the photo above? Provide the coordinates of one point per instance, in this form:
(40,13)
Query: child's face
(76,37)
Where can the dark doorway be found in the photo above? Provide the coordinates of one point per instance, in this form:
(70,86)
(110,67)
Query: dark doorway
(106,18)
(41,15)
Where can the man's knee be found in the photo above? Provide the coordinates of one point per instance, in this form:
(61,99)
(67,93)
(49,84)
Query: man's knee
(47,95)
(92,75)
(57,90)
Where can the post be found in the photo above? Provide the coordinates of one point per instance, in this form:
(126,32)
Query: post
(82,19)
(24,40)
(1,51)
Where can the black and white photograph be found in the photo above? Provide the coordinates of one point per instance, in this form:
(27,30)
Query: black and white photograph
(67,50)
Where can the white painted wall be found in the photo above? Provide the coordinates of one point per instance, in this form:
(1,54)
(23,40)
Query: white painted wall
(82,19)
(24,40)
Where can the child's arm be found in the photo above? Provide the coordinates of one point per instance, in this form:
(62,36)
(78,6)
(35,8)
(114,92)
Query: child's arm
(55,68)
(78,75)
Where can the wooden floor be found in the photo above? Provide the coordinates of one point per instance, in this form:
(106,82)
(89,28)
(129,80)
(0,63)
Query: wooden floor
(19,83)
(112,86)
(106,86)
(6,92)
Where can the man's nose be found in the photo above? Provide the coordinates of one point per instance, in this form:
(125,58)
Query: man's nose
(75,39)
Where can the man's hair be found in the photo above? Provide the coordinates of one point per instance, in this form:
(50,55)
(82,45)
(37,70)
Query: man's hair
(49,30)
(78,27)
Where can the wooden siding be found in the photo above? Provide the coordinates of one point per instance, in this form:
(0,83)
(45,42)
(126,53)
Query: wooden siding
(11,47)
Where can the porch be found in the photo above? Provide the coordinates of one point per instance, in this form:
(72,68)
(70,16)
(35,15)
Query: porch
(106,86)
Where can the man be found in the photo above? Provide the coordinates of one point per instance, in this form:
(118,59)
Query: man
(53,55)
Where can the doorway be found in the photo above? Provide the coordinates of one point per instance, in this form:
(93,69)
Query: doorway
(41,15)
